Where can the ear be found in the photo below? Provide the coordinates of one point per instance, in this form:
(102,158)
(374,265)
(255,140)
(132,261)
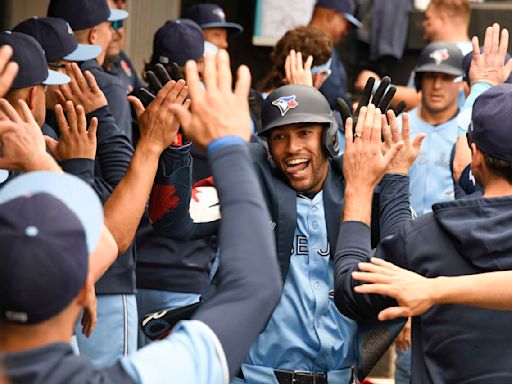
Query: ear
(93,35)
(477,158)
(31,98)
(318,80)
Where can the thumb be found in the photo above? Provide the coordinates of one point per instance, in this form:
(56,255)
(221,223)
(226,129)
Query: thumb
(418,140)
(393,313)
(183,115)
(51,144)
(137,105)
(391,154)
(93,127)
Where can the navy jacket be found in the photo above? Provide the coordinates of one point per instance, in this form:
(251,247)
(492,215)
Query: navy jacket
(113,156)
(115,92)
(451,343)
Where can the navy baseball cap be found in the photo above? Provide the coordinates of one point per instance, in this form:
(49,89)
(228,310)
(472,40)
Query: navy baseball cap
(178,41)
(57,39)
(345,7)
(491,126)
(211,16)
(33,68)
(49,225)
(83,14)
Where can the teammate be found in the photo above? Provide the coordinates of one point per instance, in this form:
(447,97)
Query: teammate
(208,349)
(455,230)
(302,183)
(212,19)
(335,17)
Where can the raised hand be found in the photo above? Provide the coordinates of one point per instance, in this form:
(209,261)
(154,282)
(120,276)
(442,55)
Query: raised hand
(408,153)
(8,69)
(364,163)
(217,110)
(489,66)
(22,142)
(89,315)
(414,293)
(297,72)
(158,123)
(75,140)
(81,90)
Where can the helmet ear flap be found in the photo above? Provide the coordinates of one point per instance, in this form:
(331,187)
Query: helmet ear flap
(330,141)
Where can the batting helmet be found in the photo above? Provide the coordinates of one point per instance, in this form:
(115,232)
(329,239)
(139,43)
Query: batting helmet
(441,58)
(293,104)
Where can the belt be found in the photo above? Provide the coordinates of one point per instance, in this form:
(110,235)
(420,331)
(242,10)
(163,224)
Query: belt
(296,377)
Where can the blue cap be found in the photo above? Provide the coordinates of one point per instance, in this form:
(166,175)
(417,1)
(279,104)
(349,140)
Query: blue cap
(211,16)
(33,68)
(178,41)
(57,39)
(49,224)
(491,126)
(345,7)
(83,14)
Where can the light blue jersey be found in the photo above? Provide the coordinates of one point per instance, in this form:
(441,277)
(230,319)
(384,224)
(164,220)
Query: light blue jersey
(192,354)
(306,331)
(431,177)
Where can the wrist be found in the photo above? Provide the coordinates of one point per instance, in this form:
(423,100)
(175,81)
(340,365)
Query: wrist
(42,162)
(358,204)
(398,171)
(149,148)
(224,141)
(437,292)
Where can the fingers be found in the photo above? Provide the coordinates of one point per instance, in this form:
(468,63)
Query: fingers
(287,70)
(9,112)
(224,77)
(366,96)
(8,69)
(488,41)
(71,116)
(93,127)
(503,48)
(386,100)
(51,144)
(91,81)
(495,38)
(308,64)
(406,129)
(210,73)
(392,153)
(79,77)
(162,74)
(386,132)
(161,96)
(176,73)
(379,93)
(418,141)
(349,135)
(476,48)
(81,120)
(61,120)
(373,278)
(137,106)
(154,84)
(26,113)
(376,132)
(384,263)
(368,123)
(360,124)
(243,84)
(172,95)
(197,92)
(400,108)
(392,313)
(395,132)
(343,109)
(184,116)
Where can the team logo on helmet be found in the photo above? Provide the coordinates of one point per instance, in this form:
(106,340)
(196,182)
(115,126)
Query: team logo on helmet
(286,103)
(440,55)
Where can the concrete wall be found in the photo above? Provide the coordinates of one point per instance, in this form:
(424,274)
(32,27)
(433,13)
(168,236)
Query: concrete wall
(146,16)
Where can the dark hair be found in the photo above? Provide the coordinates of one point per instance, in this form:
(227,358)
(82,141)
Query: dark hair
(310,41)
(499,167)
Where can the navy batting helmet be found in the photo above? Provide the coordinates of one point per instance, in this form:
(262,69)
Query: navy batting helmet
(441,58)
(291,104)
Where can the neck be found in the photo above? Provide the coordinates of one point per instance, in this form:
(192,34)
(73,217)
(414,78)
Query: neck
(497,187)
(18,338)
(453,34)
(436,118)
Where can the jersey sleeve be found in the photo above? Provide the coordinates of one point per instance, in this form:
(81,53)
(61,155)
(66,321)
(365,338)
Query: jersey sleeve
(192,354)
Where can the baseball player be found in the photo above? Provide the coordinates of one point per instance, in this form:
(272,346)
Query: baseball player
(451,343)
(306,338)
(36,326)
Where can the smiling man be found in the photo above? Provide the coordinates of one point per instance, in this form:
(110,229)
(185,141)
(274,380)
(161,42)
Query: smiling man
(306,340)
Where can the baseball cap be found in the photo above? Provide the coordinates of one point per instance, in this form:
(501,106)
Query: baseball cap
(49,224)
(491,126)
(211,16)
(439,57)
(57,39)
(83,14)
(345,7)
(33,68)
(178,41)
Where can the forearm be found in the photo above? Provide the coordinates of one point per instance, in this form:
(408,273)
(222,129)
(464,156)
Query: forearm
(103,256)
(249,281)
(410,96)
(394,205)
(487,290)
(358,204)
(125,206)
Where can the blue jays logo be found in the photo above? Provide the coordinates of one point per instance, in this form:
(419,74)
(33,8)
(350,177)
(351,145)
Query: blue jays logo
(286,103)
(440,55)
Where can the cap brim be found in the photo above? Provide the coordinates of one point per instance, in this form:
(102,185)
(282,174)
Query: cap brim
(75,193)
(440,69)
(56,78)
(232,28)
(84,52)
(117,14)
(352,20)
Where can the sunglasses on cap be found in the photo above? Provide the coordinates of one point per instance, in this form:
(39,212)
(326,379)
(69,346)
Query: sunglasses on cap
(116,25)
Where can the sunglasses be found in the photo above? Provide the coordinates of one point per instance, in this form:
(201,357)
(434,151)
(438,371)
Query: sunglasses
(116,25)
